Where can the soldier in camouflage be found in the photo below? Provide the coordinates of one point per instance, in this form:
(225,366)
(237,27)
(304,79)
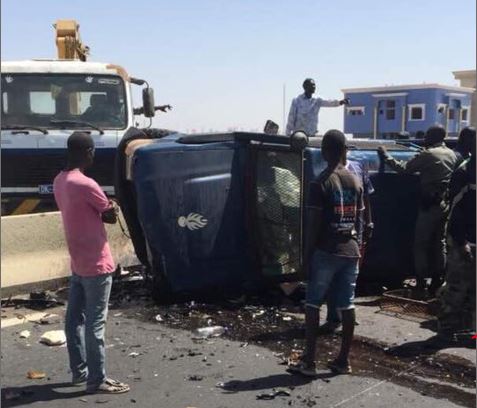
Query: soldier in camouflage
(457,296)
(435,165)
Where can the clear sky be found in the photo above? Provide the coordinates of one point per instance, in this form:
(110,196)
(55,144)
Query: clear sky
(223,63)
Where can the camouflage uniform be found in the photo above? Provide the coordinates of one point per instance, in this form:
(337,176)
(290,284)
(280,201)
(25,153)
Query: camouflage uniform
(457,296)
(435,166)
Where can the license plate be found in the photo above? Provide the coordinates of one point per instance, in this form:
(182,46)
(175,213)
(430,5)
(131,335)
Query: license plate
(45,189)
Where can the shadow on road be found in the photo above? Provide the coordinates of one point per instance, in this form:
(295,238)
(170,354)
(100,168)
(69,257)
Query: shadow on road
(271,381)
(20,396)
(427,347)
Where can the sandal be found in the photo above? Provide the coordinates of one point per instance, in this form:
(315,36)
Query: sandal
(338,368)
(308,370)
(109,386)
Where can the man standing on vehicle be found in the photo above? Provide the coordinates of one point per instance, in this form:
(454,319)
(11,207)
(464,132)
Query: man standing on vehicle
(84,208)
(304,110)
(435,165)
(331,250)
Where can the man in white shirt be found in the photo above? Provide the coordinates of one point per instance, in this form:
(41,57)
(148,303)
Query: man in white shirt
(304,110)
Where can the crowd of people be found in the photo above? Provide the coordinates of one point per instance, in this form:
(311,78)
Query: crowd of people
(339,225)
(337,231)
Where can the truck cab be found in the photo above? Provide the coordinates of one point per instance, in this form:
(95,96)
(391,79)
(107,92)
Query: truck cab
(43,102)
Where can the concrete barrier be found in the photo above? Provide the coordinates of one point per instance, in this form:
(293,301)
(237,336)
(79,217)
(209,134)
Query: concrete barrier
(33,249)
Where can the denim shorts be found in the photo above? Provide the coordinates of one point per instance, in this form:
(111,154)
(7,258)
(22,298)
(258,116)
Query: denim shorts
(332,275)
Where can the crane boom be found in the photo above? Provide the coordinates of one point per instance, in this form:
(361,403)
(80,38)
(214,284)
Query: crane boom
(68,41)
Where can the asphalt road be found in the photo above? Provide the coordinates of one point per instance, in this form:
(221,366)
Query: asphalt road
(175,371)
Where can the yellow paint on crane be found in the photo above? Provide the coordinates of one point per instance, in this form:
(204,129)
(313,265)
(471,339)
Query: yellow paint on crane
(26,207)
(68,41)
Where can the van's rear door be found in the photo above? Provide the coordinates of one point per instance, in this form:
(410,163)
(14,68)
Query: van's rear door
(275,192)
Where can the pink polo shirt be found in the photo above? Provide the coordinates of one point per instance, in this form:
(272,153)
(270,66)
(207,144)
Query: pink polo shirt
(81,202)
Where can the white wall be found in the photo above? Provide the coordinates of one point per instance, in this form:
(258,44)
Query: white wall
(468,80)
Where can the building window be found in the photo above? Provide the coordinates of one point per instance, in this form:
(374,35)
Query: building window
(441,108)
(451,114)
(417,111)
(390,109)
(355,111)
(465,114)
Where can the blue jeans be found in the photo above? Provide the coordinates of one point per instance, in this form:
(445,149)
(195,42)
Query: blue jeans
(85,325)
(332,276)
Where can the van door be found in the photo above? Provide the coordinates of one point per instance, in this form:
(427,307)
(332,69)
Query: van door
(276,210)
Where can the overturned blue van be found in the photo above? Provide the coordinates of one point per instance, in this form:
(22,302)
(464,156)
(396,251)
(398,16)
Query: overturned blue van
(224,213)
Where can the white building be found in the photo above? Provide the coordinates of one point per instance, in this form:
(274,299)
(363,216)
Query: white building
(468,80)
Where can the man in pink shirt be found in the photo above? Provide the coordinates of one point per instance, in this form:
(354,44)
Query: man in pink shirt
(84,208)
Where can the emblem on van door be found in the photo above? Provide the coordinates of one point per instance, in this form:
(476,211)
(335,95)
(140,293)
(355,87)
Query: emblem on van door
(193,221)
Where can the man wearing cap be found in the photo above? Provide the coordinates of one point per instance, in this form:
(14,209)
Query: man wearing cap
(84,208)
(435,165)
(305,108)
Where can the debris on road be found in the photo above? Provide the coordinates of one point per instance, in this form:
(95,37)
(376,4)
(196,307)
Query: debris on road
(258,314)
(212,331)
(309,402)
(195,377)
(24,334)
(53,338)
(295,355)
(273,394)
(134,354)
(20,316)
(50,319)
(159,318)
(35,375)
(37,301)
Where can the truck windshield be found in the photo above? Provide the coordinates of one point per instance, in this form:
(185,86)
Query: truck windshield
(41,99)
